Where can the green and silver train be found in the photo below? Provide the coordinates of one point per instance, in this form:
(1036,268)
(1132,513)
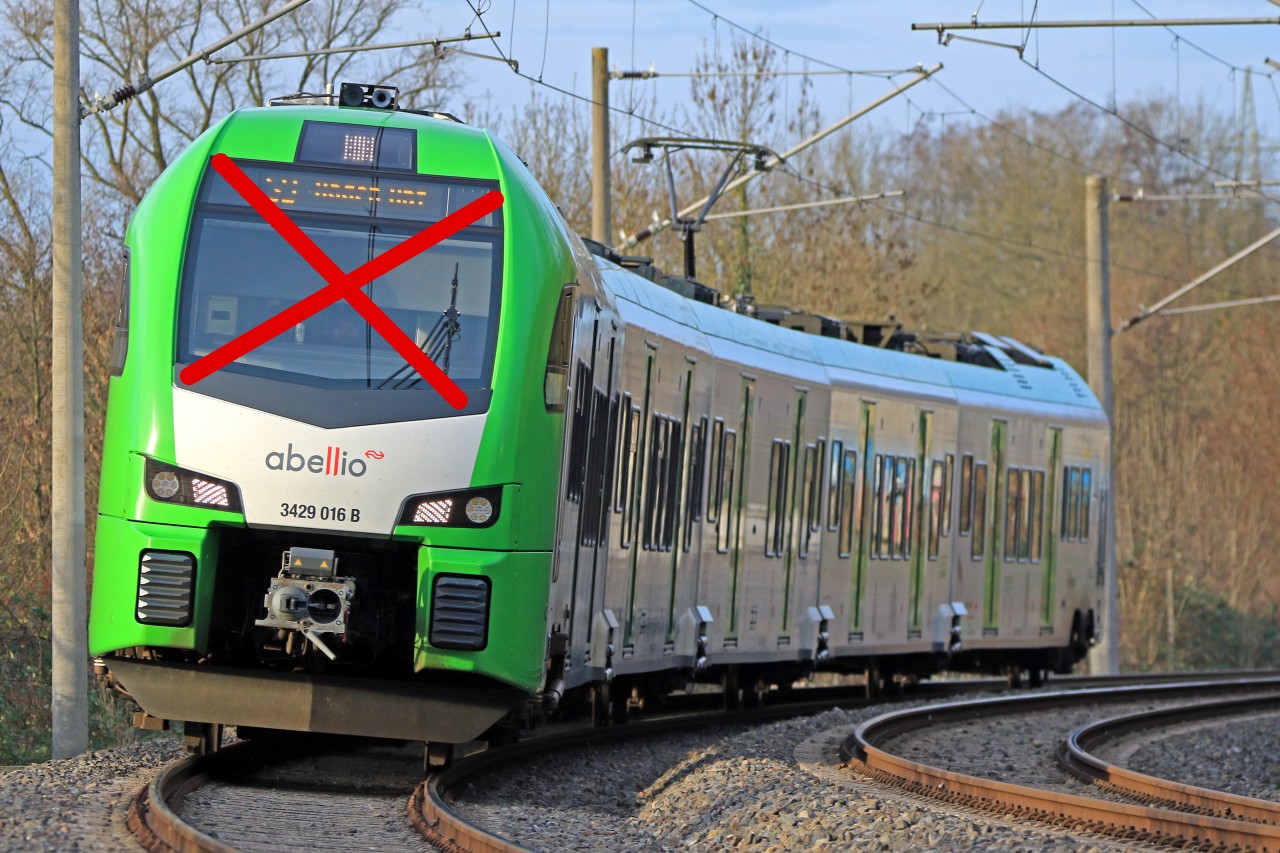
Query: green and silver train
(640,489)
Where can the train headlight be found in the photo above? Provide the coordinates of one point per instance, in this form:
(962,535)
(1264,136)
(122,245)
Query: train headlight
(165,484)
(479,510)
(173,485)
(470,508)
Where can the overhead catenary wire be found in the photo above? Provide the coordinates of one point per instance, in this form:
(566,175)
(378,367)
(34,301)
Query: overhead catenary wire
(514,66)
(970,232)
(716,16)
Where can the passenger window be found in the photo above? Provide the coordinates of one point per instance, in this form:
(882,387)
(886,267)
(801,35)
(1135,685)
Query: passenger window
(724,490)
(1013,485)
(671,497)
(948,486)
(1071,504)
(577,472)
(1037,515)
(697,475)
(966,494)
(775,526)
(715,467)
(556,376)
(816,482)
(907,466)
(624,428)
(1086,475)
(808,496)
(848,501)
(628,479)
(935,509)
(835,486)
(1025,518)
(979,544)
(884,497)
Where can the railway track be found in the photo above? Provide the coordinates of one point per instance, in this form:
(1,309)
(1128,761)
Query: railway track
(1139,807)
(260,797)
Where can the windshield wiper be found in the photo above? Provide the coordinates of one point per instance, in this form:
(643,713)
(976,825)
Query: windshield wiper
(438,344)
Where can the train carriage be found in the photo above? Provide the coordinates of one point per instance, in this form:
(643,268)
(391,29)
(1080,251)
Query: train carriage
(639,490)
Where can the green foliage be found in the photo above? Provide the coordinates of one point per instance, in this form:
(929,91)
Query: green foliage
(25,678)
(1211,634)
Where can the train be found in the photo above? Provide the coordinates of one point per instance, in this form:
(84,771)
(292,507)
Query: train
(391,452)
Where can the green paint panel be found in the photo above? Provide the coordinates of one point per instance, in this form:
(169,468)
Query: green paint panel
(117,549)
(516,650)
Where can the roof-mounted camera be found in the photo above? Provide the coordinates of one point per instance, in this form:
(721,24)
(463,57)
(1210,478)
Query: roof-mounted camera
(364,95)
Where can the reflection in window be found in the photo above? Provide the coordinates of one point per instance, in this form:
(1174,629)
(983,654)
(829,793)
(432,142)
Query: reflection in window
(966,494)
(848,501)
(979,543)
(728,458)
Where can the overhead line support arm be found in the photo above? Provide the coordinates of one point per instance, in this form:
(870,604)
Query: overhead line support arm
(646,233)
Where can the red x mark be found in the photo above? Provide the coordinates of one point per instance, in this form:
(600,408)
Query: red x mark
(340,285)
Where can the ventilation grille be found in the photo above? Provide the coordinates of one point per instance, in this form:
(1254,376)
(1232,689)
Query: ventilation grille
(166,581)
(460,613)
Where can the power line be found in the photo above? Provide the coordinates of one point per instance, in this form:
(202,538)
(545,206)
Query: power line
(755,35)
(1004,127)
(787,169)
(1021,244)
(1190,43)
(514,66)
(1116,114)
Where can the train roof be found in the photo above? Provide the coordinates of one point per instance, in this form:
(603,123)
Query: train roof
(1001,383)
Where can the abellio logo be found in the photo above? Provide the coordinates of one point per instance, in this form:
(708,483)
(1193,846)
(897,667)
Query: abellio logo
(334,463)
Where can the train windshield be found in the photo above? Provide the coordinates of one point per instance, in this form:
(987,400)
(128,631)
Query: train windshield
(241,272)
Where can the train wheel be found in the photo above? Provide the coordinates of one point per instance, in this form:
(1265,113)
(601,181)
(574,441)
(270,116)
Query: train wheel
(601,704)
(202,738)
(1036,677)
(875,682)
(620,702)
(1013,673)
(732,683)
(1079,641)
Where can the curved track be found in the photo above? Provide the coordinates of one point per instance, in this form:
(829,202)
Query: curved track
(1076,755)
(161,813)
(1185,822)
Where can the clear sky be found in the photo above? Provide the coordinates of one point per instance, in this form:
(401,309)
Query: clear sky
(552,40)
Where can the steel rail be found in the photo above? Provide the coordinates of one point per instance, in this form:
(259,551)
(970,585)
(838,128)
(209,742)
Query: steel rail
(153,818)
(1127,820)
(431,814)
(1076,754)
(154,821)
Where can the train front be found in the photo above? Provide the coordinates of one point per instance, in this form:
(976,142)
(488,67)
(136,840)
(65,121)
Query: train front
(297,530)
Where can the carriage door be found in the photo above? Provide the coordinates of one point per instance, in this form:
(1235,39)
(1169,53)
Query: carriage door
(1049,524)
(918,531)
(590,437)
(791,509)
(736,456)
(862,513)
(995,536)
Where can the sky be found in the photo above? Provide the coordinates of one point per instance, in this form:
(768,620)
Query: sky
(552,40)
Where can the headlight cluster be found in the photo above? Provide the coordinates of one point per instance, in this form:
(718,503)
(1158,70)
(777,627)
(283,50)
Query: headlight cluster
(470,508)
(173,485)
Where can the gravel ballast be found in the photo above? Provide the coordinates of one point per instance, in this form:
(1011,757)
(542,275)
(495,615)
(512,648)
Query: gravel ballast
(769,789)
(81,803)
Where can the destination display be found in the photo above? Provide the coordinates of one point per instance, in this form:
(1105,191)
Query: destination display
(364,194)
